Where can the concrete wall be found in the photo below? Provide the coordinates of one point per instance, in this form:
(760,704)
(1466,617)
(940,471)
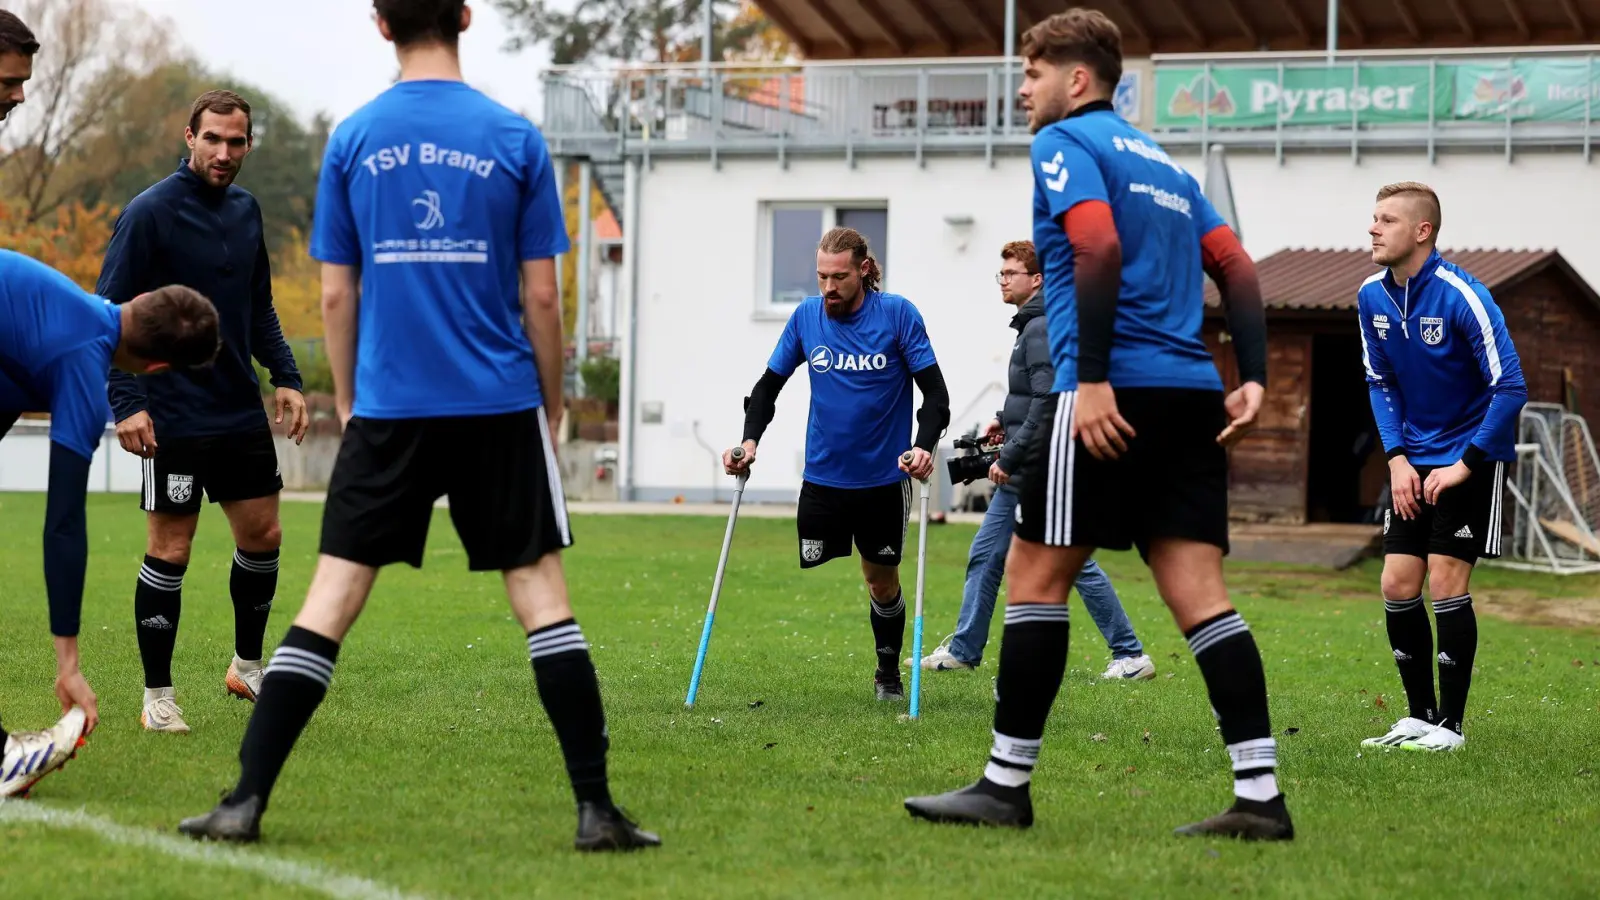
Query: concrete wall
(25,464)
(704,333)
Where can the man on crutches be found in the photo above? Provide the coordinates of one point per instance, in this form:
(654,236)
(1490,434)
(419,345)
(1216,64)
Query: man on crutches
(865,348)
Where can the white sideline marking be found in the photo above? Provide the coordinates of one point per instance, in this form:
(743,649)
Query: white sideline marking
(341,887)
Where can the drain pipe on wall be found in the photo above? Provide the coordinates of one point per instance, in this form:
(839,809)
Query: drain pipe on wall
(629,398)
(716,461)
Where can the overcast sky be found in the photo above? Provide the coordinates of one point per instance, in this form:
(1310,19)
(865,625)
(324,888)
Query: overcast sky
(328,55)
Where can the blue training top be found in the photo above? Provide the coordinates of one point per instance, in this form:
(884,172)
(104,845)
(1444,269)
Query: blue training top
(860,370)
(438,194)
(1161,216)
(1443,375)
(56,345)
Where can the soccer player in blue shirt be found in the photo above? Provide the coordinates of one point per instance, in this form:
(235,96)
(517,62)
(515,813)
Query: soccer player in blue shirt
(438,225)
(1447,389)
(204,431)
(1133,452)
(56,344)
(863,347)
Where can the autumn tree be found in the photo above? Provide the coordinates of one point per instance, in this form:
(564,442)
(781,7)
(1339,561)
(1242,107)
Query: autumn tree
(93,54)
(71,239)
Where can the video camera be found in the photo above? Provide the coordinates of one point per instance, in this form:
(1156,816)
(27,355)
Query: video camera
(972,465)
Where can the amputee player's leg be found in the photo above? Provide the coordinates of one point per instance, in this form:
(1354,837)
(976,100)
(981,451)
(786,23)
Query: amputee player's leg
(379,506)
(248,488)
(157,608)
(508,506)
(879,517)
(1069,504)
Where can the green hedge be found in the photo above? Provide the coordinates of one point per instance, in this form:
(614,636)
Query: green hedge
(602,378)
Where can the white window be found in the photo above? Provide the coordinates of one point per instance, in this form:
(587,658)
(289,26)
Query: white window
(786,270)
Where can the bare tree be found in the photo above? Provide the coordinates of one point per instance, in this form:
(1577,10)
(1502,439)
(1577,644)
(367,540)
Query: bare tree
(92,53)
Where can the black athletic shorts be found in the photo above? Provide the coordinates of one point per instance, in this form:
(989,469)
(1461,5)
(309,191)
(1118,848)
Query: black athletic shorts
(499,471)
(1466,523)
(1171,483)
(228,467)
(830,519)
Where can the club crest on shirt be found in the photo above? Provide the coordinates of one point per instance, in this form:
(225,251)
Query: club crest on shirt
(810,550)
(1432,331)
(180,488)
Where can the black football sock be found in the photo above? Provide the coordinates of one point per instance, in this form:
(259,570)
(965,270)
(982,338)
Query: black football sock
(1411,638)
(1033,660)
(1458,647)
(296,681)
(1230,662)
(157,601)
(570,691)
(253,583)
(889,634)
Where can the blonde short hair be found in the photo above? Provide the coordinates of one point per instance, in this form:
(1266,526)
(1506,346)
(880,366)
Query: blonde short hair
(1428,200)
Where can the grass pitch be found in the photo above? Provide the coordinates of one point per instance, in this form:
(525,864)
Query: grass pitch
(432,771)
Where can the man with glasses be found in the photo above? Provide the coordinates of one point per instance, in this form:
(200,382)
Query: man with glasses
(1030,379)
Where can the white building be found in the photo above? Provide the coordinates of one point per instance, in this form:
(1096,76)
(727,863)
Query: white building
(728,177)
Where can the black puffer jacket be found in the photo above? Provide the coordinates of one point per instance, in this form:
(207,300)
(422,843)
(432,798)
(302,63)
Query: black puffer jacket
(1028,387)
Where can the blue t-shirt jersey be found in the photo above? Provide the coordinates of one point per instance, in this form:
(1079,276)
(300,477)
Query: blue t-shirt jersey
(439,194)
(56,344)
(1161,215)
(860,369)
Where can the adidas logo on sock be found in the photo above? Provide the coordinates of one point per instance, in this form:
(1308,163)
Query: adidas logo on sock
(1401,656)
(157,622)
(1445,660)
(1465,532)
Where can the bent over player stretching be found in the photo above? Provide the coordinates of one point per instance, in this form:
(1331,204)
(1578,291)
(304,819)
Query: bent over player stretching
(1447,389)
(56,344)
(864,347)
(1132,452)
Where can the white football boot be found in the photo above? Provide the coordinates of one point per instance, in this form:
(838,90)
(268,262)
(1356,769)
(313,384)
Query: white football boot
(161,712)
(244,678)
(31,755)
(1439,740)
(1407,729)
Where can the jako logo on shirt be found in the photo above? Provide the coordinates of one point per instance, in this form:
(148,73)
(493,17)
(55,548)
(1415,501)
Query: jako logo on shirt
(824,360)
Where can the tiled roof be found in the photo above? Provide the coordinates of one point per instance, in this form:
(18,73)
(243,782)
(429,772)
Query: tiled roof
(1304,279)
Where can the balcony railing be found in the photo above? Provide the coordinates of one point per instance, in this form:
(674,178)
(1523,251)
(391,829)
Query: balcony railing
(1361,101)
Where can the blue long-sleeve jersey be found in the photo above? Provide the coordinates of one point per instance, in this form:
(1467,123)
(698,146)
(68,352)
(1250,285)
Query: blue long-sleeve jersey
(1445,381)
(56,343)
(182,230)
